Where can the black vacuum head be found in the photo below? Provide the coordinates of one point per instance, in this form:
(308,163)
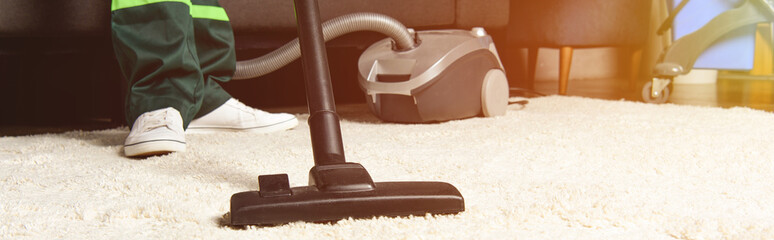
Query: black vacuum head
(276,203)
(337,189)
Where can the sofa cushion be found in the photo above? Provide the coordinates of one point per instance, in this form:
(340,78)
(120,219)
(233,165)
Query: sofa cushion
(91,17)
(579,23)
(54,18)
(477,13)
(278,15)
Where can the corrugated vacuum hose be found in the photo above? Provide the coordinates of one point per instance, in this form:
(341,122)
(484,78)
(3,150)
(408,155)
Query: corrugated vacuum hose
(331,29)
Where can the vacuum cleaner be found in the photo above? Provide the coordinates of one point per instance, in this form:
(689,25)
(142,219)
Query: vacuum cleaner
(679,57)
(452,74)
(337,189)
(413,77)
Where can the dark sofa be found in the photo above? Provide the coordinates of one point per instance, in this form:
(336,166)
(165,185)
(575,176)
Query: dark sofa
(57,64)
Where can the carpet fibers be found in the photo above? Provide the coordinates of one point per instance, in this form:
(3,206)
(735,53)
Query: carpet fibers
(557,168)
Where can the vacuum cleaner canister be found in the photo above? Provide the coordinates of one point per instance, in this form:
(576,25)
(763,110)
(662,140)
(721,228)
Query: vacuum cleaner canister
(450,74)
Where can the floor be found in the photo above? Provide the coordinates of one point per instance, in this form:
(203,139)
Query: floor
(728,91)
(756,93)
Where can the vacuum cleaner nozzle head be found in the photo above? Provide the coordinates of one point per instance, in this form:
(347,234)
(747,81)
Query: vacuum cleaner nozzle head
(278,204)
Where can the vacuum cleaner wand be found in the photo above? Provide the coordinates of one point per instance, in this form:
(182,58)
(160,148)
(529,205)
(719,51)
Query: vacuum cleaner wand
(337,189)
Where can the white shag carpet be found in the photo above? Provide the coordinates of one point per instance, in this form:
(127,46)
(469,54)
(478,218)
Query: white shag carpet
(559,168)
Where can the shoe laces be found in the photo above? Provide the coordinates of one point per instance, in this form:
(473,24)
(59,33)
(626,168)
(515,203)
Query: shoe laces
(156,120)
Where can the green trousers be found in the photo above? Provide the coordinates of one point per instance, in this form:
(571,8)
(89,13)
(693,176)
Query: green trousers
(173,53)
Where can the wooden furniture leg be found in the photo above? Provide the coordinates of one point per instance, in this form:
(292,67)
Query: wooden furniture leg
(532,57)
(565,61)
(634,70)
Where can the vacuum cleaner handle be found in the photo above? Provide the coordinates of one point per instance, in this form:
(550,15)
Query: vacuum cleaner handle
(667,24)
(337,189)
(327,144)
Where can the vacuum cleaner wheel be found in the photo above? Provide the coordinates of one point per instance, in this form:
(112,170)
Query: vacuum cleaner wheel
(494,93)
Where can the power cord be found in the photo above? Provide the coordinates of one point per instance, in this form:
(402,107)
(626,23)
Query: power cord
(523,92)
(520,102)
(529,92)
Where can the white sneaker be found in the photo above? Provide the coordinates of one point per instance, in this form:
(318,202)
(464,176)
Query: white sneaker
(235,116)
(155,133)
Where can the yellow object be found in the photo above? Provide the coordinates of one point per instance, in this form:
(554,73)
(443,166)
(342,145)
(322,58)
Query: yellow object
(760,93)
(763,65)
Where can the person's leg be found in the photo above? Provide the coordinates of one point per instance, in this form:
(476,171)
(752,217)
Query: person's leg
(154,44)
(215,49)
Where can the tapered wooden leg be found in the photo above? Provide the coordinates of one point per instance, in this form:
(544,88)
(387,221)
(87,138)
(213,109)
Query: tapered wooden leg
(565,60)
(532,56)
(634,71)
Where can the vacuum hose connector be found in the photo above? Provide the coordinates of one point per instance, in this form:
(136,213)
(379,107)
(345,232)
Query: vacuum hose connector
(404,40)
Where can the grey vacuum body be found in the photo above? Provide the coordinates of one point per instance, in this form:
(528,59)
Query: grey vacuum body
(450,74)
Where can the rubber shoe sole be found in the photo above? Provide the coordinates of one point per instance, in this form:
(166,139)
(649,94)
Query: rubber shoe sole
(153,148)
(280,126)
